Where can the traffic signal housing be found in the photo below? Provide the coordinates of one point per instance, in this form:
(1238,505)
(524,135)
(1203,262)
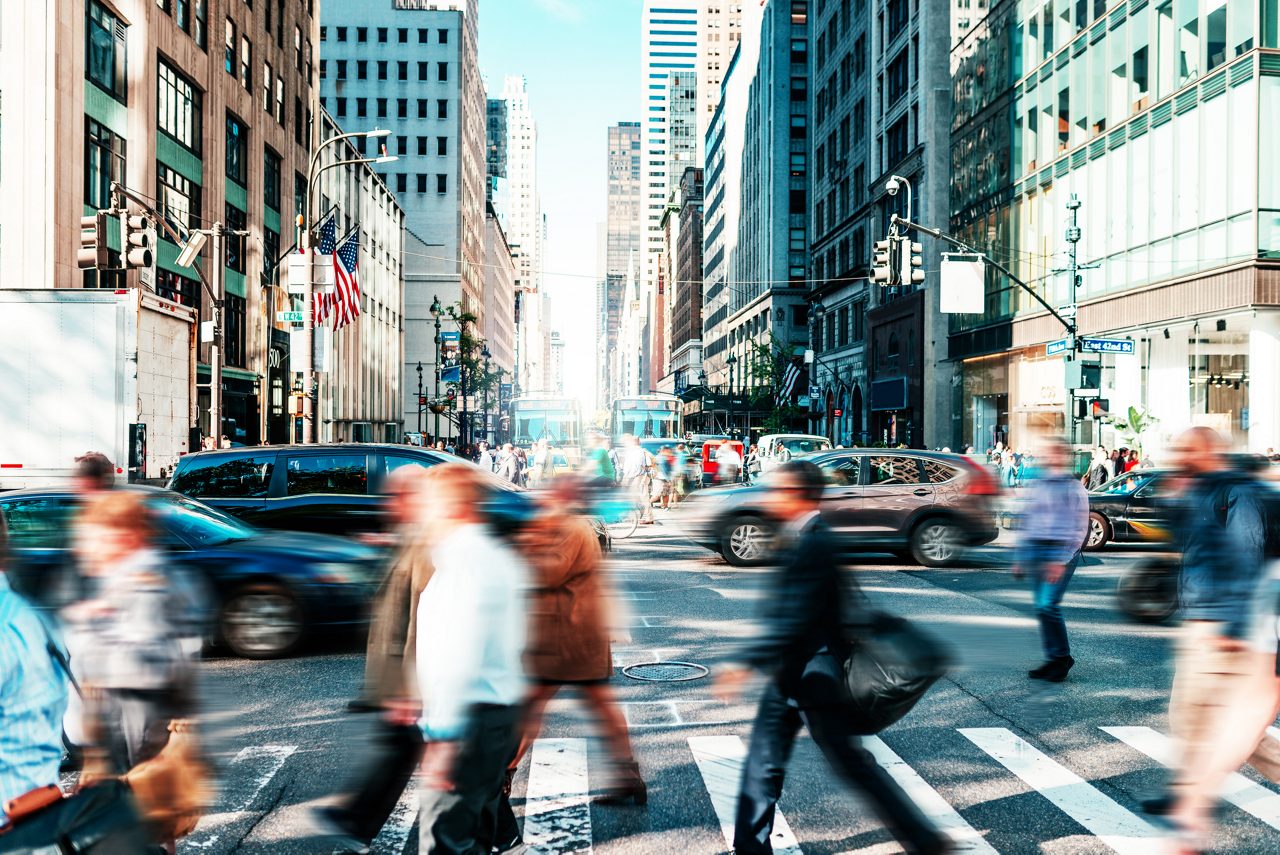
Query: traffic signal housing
(912,262)
(93,251)
(136,242)
(1099,407)
(884,269)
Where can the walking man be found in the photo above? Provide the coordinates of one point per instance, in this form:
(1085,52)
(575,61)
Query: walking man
(471,636)
(801,646)
(637,467)
(1055,524)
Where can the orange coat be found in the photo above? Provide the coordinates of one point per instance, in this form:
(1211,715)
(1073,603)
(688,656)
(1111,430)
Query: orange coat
(568,630)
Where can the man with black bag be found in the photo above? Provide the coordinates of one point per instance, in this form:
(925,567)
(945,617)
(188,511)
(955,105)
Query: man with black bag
(802,648)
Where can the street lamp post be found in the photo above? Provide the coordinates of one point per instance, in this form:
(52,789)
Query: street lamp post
(702,383)
(435,314)
(304,241)
(819,313)
(731,362)
(419,398)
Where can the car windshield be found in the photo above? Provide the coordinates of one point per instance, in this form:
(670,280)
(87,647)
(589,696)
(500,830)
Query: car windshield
(199,525)
(806,445)
(1123,485)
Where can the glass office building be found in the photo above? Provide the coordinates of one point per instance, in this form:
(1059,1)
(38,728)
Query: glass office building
(1161,117)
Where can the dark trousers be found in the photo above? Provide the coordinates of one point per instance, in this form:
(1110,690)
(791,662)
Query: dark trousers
(397,750)
(464,821)
(1047,597)
(814,701)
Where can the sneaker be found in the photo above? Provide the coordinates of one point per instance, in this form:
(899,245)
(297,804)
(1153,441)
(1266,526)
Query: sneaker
(1053,671)
(1041,672)
(1158,805)
(332,822)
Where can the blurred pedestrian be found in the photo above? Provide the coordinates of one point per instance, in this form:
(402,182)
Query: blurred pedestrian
(599,463)
(728,463)
(94,473)
(390,684)
(471,635)
(637,476)
(664,476)
(485,460)
(508,464)
(1055,522)
(1099,471)
(1222,532)
(522,467)
(33,693)
(569,631)
(801,646)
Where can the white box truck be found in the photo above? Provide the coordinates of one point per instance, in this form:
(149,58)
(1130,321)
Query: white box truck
(89,370)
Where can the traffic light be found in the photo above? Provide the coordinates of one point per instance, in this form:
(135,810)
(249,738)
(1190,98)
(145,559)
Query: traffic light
(93,252)
(1099,407)
(912,262)
(1081,410)
(136,241)
(883,269)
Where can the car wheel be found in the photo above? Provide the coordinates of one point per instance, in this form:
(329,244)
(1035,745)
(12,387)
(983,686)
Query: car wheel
(937,543)
(261,622)
(745,541)
(1099,532)
(1148,591)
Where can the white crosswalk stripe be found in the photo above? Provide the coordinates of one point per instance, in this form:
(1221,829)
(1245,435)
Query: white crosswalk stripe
(1251,798)
(1114,825)
(557,808)
(719,760)
(929,800)
(243,779)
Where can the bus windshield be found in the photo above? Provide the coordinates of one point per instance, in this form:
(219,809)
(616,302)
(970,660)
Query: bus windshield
(531,422)
(646,420)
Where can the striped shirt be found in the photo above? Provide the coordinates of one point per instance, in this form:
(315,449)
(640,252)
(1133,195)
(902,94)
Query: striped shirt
(33,698)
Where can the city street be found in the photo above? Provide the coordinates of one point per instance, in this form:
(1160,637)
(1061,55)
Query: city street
(1011,765)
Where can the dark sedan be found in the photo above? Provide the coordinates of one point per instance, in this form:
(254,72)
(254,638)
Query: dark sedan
(269,590)
(1130,508)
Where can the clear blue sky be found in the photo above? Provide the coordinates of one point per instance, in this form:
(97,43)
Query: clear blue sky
(582,62)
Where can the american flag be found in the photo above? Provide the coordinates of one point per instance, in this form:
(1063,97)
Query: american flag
(326,242)
(788,385)
(346,272)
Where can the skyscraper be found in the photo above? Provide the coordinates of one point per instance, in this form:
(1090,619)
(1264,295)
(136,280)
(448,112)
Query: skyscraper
(413,67)
(623,241)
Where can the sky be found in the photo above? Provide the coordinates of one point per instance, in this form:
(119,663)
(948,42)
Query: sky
(581,59)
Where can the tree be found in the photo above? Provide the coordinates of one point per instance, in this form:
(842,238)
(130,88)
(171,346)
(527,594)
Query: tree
(1132,425)
(767,363)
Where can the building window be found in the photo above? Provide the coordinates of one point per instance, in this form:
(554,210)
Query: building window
(382,35)
(177,288)
(402,70)
(422,183)
(422,108)
(444,37)
(422,35)
(382,69)
(422,71)
(342,108)
(280,99)
(798,127)
(402,35)
(897,74)
(843,324)
(442,109)
(178,199)
(342,34)
(362,107)
(896,142)
(229,59)
(267,76)
(201,34)
(234,339)
(442,71)
(182,14)
(299,193)
(246,64)
(235,221)
(442,146)
(402,146)
(178,107)
(103,163)
(237,151)
(105,50)
(271,163)
(270,257)
(382,108)
(362,69)
(442,184)
(342,69)
(362,34)
(402,108)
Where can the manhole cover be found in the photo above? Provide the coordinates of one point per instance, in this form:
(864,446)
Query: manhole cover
(665,672)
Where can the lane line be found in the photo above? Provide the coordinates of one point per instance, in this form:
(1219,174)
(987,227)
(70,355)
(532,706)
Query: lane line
(1111,823)
(394,836)
(1250,797)
(719,760)
(929,800)
(226,807)
(557,806)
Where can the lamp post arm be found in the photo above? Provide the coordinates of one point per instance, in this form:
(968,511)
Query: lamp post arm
(896,220)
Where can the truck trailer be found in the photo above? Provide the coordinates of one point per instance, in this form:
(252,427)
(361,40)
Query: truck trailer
(94,370)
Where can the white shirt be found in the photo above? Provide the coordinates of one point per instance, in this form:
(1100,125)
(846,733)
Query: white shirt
(471,630)
(635,462)
(728,456)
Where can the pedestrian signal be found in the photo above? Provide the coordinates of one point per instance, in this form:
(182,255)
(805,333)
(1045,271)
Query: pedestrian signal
(1099,407)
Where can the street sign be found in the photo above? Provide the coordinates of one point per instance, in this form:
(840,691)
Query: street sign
(288,317)
(450,335)
(1056,347)
(815,392)
(1106,345)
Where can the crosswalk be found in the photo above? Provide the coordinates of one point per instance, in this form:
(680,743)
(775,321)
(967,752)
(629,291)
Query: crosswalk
(557,799)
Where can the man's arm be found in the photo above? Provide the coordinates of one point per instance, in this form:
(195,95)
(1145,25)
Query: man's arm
(790,604)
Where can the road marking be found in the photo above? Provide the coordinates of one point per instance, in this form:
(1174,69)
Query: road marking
(1115,826)
(1251,798)
(557,801)
(394,835)
(719,760)
(929,800)
(263,762)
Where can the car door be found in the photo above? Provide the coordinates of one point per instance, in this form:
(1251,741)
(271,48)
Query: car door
(896,489)
(1147,515)
(841,507)
(324,491)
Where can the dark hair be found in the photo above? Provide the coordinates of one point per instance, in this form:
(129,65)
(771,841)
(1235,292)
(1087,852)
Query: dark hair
(96,467)
(807,476)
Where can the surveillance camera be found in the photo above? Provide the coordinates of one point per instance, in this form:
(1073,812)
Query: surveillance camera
(891,187)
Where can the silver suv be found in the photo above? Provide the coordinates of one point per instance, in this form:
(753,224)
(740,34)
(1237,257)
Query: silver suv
(922,505)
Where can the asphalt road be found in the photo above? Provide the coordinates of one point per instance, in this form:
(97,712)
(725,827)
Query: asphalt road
(1012,765)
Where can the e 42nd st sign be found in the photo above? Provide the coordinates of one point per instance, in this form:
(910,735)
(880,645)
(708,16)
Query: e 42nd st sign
(1091,345)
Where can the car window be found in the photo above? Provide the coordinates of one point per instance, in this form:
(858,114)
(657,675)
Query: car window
(1122,485)
(938,472)
(841,472)
(1151,487)
(889,470)
(396,461)
(196,525)
(223,477)
(342,474)
(39,523)
(806,446)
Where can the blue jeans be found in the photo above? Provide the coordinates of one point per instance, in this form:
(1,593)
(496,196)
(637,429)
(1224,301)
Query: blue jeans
(1047,597)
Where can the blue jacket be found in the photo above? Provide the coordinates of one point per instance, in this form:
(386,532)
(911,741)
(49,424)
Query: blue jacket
(1223,533)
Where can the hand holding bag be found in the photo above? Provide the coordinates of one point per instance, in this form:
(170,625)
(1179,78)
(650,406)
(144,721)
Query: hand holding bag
(892,664)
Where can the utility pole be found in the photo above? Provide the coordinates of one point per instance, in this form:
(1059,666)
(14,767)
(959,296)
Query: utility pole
(1074,348)
(218,275)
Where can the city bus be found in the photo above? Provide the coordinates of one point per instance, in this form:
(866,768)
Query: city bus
(557,420)
(652,416)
